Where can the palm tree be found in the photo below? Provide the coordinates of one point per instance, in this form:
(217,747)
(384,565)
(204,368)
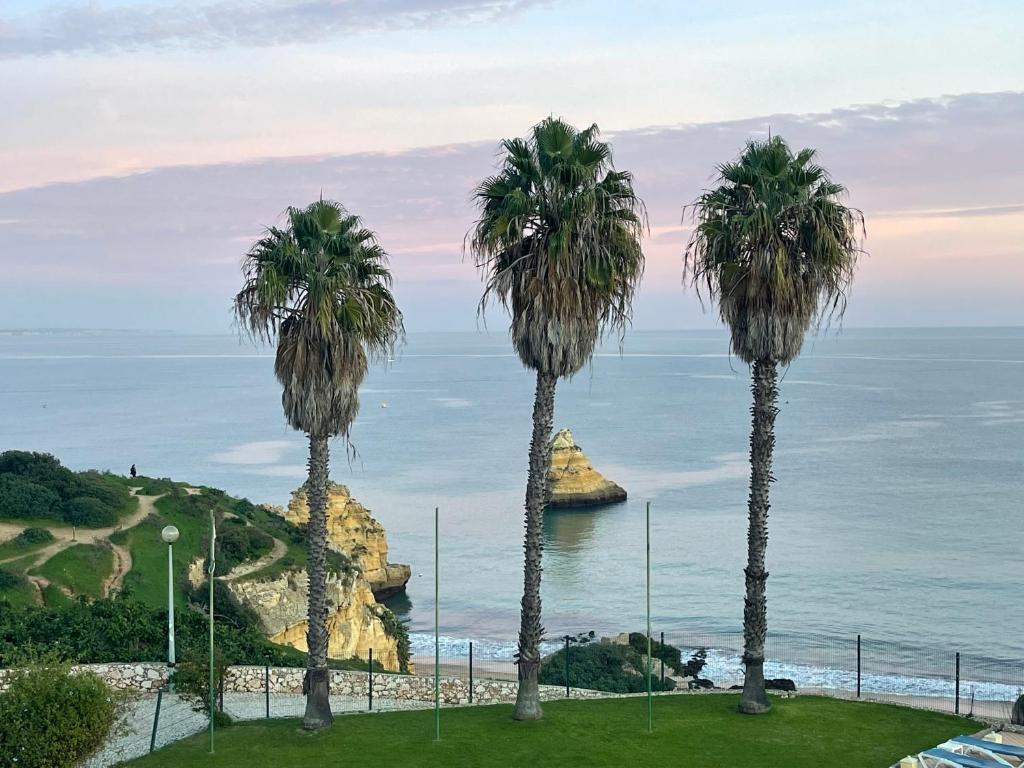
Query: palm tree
(774,244)
(558,243)
(321,288)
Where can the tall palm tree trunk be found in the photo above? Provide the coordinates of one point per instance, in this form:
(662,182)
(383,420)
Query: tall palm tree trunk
(537,495)
(316,684)
(755,607)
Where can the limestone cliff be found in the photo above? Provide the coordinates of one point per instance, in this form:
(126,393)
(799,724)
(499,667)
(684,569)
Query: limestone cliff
(574,482)
(355,620)
(354,532)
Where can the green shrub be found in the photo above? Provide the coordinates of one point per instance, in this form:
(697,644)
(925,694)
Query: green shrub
(36,486)
(21,497)
(89,512)
(601,667)
(10,580)
(191,679)
(50,718)
(395,627)
(32,536)
(40,468)
(238,543)
(124,629)
(667,653)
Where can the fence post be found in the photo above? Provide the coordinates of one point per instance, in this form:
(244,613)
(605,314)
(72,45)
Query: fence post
(156,719)
(956,709)
(266,687)
(221,690)
(369,680)
(858,666)
(470,671)
(567,694)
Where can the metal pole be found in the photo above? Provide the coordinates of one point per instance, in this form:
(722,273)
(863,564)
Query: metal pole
(369,680)
(567,694)
(470,671)
(266,687)
(170,605)
(858,666)
(212,569)
(437,633)
(956,709)
(650,700)
(156,719)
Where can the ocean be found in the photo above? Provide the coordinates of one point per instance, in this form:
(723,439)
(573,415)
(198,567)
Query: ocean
(896,511)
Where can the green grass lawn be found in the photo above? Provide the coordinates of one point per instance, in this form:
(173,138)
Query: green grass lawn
(690,731)
(82,568)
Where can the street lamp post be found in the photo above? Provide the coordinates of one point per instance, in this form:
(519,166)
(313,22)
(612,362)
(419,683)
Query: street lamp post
(170,535)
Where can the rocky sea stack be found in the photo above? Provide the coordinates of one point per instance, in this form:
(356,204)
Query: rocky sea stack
(354,532)
(574,481)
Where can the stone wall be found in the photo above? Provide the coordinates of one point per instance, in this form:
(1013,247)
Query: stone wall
(148,677)
(454,690)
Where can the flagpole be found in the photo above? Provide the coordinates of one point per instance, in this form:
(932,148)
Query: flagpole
(650,703)
(437,634)
(212,569)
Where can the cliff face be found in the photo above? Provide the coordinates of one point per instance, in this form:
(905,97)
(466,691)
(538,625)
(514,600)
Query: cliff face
(353,531)
(354,617)
(574,481)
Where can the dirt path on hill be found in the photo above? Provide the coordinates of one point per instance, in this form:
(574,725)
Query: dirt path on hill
(280,550)
(69,536)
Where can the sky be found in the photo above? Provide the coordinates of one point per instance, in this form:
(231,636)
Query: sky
(145,145)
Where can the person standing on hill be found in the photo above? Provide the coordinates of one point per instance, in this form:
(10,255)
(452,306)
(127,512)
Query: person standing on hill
(132,471)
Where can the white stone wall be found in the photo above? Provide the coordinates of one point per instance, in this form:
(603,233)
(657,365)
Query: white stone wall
(148,677)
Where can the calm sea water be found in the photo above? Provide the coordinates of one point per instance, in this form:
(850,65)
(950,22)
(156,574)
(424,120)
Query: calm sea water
(897,511)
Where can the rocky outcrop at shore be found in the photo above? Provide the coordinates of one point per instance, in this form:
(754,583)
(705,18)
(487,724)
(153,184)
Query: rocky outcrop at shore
(355,621)
(353,531)
(574,481)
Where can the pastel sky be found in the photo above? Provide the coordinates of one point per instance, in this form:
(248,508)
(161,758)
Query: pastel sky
(145,144)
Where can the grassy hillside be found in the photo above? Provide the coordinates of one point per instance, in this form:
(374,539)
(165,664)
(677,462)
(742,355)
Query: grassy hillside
(80,569)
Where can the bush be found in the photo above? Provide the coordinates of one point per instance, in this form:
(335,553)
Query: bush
(238,543)
(32,536)
(20,497)
(35,486)
(50,718)
(667,653)
(89,512)
(601,667)
(40,468)
(123,629)
(191,679)
(9,580)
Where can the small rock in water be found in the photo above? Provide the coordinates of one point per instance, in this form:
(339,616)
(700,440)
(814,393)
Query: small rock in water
(574,481)
(780,684)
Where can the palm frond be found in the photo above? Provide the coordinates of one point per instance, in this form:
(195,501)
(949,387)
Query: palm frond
(774,244)
(321,289)
(557,243)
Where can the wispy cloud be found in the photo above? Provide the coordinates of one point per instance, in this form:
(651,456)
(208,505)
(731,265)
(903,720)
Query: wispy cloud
(104,27)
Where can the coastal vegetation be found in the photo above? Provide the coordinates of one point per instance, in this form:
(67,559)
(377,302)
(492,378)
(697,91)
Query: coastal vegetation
(321,290)
(776,248)
(558,244)
(35,487)
(50,718)
(695,731)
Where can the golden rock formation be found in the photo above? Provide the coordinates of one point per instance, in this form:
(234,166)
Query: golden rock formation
(574,481)
(354,622)
(353,531)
